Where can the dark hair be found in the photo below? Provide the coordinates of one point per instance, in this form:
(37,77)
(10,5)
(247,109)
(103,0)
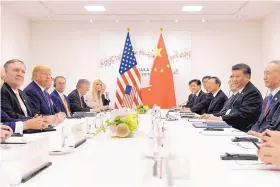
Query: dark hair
(217,80)
(11,62)
(55,79)
(206,77)
(244,67)
(198,82)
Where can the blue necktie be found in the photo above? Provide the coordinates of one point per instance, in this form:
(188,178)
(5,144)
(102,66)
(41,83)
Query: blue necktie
(47,97)
(269,99)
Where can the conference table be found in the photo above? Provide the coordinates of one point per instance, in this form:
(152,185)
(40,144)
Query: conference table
(107,161)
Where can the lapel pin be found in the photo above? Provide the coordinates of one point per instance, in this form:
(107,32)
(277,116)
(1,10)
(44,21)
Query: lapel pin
(275,99)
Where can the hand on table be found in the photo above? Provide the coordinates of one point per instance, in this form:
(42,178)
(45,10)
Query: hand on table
(5,132)
(270,136)
(254,133)
(36,123)
(185,110)
(269,153)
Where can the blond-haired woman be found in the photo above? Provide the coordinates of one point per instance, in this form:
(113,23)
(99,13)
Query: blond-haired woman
(94,98)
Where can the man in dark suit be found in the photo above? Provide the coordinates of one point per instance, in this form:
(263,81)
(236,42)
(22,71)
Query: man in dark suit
(246,107)
(40,100)
(214,102)
(197,95)
(76,97)
(60,100)
(18,125)
(270,112)
(105,95)
(14,101)
(219,97)
(204,83)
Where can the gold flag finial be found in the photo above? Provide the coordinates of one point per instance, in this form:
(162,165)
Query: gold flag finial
(128,29)
(161,29)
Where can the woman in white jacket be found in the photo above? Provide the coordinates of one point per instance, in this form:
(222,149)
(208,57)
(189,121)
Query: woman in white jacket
(94,98)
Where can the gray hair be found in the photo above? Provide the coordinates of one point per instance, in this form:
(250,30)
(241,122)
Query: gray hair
(11,62)
(81,82)
(277,62)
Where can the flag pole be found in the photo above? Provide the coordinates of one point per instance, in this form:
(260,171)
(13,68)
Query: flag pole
(137,89)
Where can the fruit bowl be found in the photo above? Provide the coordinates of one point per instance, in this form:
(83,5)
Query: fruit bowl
(121,125)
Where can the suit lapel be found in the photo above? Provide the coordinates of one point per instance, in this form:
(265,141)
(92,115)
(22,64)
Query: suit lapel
(273,102)
(214,100)
(43,96)
(57,94)
(16,99)
(29,112)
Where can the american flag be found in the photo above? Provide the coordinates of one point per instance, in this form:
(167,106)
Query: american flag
(129,75)
(129,96)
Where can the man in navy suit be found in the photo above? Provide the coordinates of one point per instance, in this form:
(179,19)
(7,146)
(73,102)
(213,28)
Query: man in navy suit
(269,114)
(41,102)
(59,98)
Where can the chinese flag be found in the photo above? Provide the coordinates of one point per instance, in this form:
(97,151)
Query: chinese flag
(146,96)
(161,79)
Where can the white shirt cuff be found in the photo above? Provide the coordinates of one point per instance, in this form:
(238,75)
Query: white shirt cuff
(221,118)
(19,127)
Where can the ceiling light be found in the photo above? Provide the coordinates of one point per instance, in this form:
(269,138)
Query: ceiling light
(176,21)
(117,21)
(203,20)
(95,8)
(90,20)
(192,8)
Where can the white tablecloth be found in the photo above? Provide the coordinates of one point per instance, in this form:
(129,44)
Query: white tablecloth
(106,161)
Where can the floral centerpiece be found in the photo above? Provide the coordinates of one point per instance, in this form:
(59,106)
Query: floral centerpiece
(142,109)
(123,123)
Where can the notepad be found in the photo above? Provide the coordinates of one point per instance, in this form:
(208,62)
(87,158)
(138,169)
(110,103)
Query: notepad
(15,140)
(211,125)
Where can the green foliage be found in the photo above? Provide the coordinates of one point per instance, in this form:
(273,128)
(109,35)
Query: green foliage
(141,109)
(131,120)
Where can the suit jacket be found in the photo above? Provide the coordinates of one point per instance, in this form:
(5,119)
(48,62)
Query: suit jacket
(75,104)
(202,106)
(217,103)
(6,120)
(39,102)
(245,110)
(105,101)
(59,103)
(268,120)
(275,124)
(200,97)
(190,101)
(10,103)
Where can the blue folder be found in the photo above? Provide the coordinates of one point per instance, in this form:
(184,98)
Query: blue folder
(211,125)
